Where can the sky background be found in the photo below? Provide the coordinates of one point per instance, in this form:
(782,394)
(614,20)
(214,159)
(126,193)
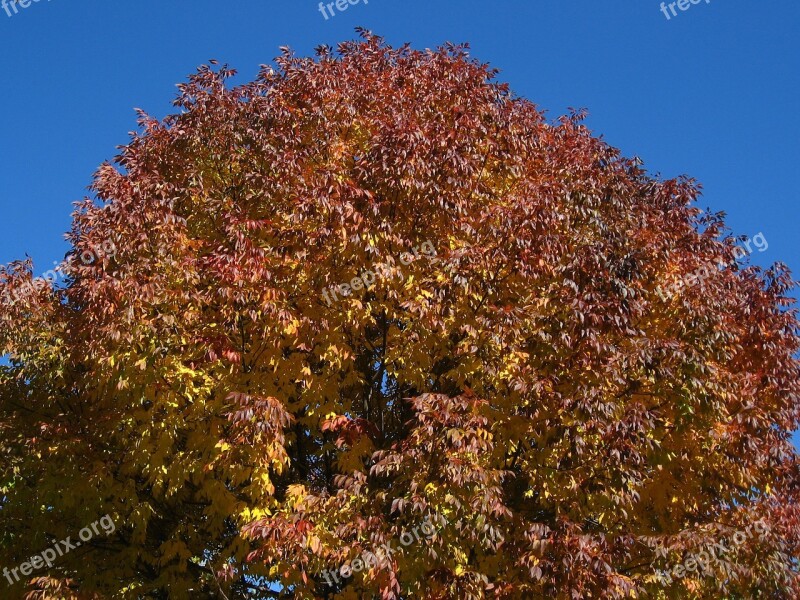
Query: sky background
(711,92)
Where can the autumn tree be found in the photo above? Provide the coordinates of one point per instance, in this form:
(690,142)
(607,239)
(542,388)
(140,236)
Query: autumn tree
(374,289)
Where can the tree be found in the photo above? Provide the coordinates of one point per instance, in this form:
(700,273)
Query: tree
(374,291)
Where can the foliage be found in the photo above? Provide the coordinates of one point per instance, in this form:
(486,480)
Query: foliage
(569,429)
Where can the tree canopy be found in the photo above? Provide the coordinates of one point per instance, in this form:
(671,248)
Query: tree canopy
(374,290)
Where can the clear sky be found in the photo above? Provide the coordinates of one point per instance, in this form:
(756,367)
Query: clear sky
(710,91)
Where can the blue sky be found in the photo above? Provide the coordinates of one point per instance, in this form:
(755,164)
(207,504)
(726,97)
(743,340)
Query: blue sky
(710,92)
